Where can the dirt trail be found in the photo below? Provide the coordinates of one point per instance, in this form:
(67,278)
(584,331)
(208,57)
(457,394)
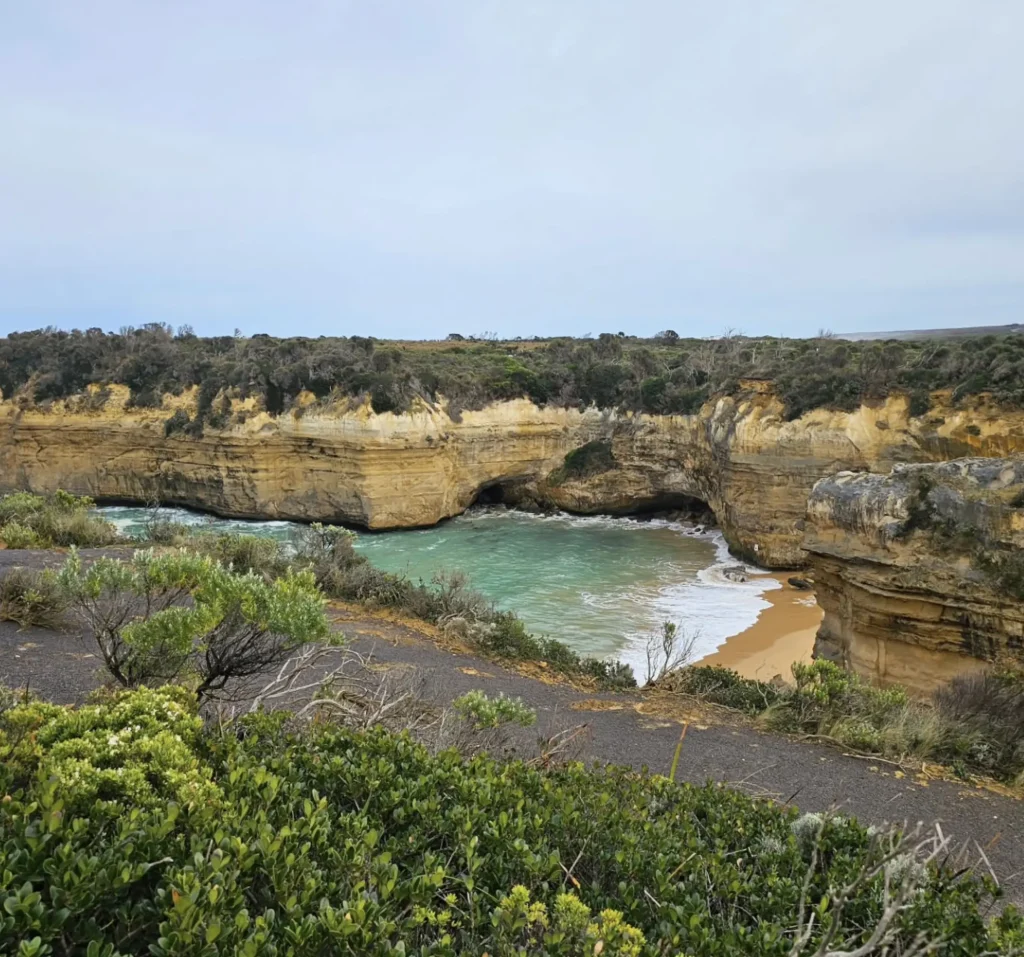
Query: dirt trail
(623,729)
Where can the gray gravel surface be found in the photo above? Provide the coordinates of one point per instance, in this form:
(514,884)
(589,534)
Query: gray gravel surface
(813,776)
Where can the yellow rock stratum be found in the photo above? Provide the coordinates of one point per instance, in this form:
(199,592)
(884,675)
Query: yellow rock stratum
(920,572)
(347,464)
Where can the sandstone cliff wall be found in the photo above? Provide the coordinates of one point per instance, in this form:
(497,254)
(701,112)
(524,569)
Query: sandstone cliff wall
(920,572)
(350,465)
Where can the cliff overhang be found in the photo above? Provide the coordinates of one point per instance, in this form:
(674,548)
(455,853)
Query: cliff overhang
(345,463)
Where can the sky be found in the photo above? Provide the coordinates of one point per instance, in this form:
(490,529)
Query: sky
(411,168)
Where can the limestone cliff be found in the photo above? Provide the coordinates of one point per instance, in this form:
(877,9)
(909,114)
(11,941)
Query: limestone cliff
(346,464)
(920,572)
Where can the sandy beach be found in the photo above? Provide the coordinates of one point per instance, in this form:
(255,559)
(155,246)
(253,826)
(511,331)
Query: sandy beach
(783,633)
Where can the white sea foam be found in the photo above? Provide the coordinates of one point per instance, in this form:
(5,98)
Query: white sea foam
(714,607)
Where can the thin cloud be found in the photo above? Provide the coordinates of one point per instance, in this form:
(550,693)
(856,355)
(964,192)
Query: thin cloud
(524,167)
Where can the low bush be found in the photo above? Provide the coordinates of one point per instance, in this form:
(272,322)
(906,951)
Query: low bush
(32,598)
(252,840)
(974,725)
(486,712)
(136,749)
(183,616)
(826,694)
(178,422)
(164,531)
(505,636)
(17,535)
(985,717)
(590,459)
(830,701)
(244,554)
(330,553)
(722,686)
(52,521)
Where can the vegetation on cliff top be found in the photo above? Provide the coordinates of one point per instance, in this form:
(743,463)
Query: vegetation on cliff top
(130,828)
(668,374)
(963,519)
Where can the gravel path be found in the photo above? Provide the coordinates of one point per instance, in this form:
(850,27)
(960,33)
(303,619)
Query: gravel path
(815,777)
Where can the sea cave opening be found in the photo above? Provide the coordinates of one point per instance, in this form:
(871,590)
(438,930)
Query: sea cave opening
(520,493)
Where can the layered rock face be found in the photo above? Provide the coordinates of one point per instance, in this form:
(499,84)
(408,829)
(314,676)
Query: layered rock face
(347,464)
(920,572)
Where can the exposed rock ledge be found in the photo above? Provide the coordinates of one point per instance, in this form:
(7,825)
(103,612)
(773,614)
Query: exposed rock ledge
(343,464)
(920,572)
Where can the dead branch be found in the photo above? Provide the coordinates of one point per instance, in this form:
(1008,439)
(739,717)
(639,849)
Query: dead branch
(901,860)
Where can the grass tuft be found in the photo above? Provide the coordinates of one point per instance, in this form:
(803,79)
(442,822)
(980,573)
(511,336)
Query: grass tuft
(32,598)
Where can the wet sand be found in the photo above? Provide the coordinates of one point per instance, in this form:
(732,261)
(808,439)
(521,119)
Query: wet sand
(783,633)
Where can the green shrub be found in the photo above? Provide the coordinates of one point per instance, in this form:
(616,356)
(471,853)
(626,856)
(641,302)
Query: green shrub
(244,554)
(590,459)
(32,598)
(976,723)
(984,714)
(135,749)
(18,506)
(827,698)
(920,403)
(16,535)
(486,712)
(330,553)
(178,422)
(48,521)
(722,686)
(254,841)
(183,616)
(524,926)
(657,375)
(506,637)
(166,532)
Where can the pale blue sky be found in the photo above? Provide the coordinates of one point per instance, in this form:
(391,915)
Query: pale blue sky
(415,167)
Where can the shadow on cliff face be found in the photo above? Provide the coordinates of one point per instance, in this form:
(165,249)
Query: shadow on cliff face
(494,494)
(524,495)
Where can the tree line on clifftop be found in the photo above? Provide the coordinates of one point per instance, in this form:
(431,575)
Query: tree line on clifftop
(666,374)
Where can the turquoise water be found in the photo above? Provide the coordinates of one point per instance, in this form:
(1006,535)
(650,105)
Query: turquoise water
(600,584)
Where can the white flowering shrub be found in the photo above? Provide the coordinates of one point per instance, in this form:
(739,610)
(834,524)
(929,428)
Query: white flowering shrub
(485,712)
(135,748)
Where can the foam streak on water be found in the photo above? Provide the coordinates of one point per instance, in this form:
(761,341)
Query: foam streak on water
(600,584)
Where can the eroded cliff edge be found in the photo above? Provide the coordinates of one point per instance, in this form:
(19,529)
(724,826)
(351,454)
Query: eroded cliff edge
(920,572)
(345,463)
